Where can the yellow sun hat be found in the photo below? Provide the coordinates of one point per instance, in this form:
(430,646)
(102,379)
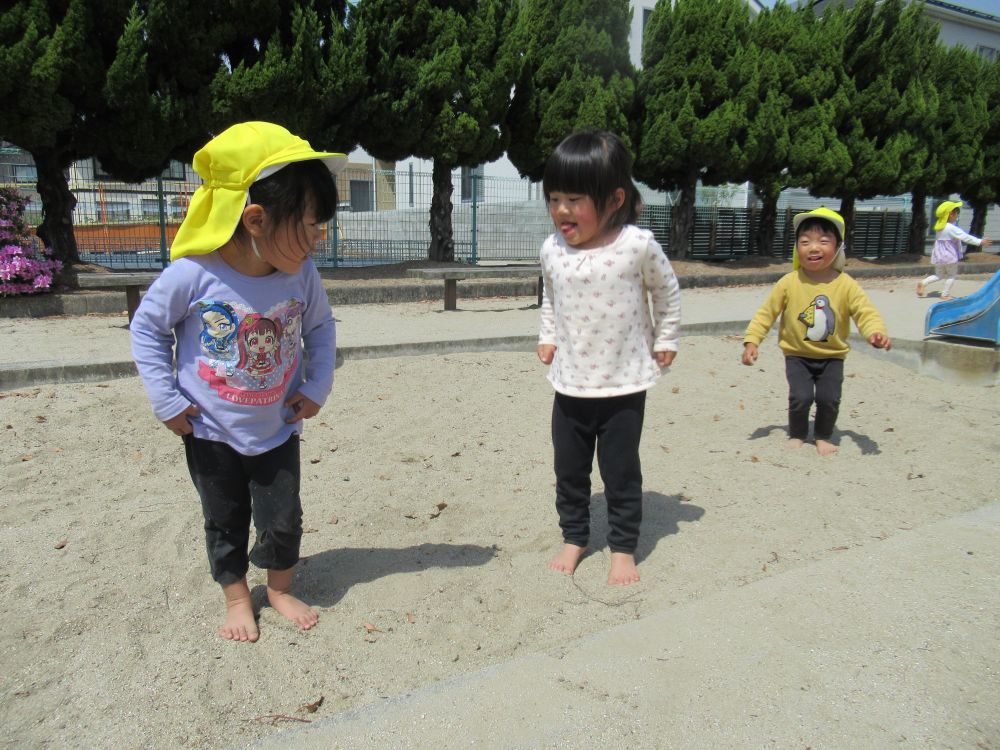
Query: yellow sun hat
(229,164)
(834,218)
(943,211)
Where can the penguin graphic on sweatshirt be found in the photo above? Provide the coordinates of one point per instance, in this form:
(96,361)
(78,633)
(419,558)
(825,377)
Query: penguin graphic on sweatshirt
(819,319)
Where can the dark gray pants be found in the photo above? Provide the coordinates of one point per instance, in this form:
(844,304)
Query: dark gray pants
(235,488)
(819,380)
(614,426)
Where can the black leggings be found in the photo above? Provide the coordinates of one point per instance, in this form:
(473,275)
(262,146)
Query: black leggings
(233,488)
(614,425)
(809,380)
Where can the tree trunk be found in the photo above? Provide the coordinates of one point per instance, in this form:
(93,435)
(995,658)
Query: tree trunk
(916,238)
(847,213)
(979,210)
(442,238)
(682,225)
(56,229)
(763,241)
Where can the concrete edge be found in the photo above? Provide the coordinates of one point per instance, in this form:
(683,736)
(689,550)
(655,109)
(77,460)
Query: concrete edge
(942,359)
(31,374)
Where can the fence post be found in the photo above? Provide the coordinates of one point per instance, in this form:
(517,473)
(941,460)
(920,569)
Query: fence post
(474,258)
(163,221)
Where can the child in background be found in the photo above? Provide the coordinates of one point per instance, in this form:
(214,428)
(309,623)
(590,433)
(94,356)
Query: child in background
(816,302)
(605,350)
(949,248)
(240,285)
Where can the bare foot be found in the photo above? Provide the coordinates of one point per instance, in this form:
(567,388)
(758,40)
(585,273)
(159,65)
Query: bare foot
(567,560)
(623,570)
(920,289)
(279,584)
(825,448)
(795,443)
(293,608)
(946,297)
(240,624)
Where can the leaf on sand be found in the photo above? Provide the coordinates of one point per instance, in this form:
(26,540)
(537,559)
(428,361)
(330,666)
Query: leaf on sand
(311,707)
(334,520)
(410,618)
(371,627)
(40,418)
(27,457)
(314,460)
(62,543)
(309,530)
(440,507)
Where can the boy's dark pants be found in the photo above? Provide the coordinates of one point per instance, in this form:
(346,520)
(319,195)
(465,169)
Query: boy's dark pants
(809,380)
(234,487)
(614,425)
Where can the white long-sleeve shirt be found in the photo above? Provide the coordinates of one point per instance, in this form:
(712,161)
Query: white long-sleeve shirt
(948,244)
(232,344)
(606,310)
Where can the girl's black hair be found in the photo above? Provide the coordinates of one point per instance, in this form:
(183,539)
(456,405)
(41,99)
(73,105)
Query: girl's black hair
(823,225)
(595,164)
(285,193)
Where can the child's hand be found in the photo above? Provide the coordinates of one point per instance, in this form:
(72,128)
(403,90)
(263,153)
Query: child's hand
(664,359)
(880,341)
(303,407)
(986,243)
(181,425)
(546,352)
(749,353)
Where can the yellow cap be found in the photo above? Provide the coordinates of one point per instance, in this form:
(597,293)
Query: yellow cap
(943,211)
(834,218)
(229,164)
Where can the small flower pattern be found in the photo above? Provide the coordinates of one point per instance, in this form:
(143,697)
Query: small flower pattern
(606,310)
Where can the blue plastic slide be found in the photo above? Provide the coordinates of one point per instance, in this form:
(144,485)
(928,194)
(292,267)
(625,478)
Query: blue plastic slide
(974,317)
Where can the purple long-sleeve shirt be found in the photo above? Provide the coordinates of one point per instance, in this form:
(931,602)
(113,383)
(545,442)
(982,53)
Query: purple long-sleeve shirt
(232,345)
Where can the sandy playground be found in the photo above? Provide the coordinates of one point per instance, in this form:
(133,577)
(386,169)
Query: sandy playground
(428,496)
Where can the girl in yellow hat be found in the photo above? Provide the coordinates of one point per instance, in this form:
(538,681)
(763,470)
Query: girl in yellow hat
(235,344)
(949,248)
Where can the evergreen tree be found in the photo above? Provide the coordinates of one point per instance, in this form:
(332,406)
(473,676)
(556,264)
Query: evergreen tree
(441,75)
(954,133)
(887,50)
(575,74)
(693,118)
(985,188)
(300,72)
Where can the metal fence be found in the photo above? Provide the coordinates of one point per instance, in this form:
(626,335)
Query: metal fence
(383,218)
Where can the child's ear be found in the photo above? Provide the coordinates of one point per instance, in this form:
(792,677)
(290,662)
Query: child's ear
(617,200)
(253,219)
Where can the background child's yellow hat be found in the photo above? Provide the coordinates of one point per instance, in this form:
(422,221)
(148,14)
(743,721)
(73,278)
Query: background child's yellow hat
(229,164)
(943,211)
(834,218)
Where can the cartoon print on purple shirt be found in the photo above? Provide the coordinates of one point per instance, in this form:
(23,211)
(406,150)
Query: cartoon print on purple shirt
(260,357)
(218,334)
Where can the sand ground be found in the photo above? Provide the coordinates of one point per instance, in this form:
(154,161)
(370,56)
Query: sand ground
(428,496)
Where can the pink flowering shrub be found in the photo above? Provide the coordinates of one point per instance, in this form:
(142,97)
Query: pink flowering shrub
(24,269)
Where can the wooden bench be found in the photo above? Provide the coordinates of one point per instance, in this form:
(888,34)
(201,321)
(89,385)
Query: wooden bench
(133,282)
(451,276)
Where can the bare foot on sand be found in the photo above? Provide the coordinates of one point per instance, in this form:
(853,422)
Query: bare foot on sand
(794,443)
(279,584)
(623,570)
(567,560)
(240,624)
(825,448)
(920,289)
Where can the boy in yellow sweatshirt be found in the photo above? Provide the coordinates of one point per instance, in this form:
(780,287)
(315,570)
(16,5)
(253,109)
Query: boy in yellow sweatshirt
(816,302)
